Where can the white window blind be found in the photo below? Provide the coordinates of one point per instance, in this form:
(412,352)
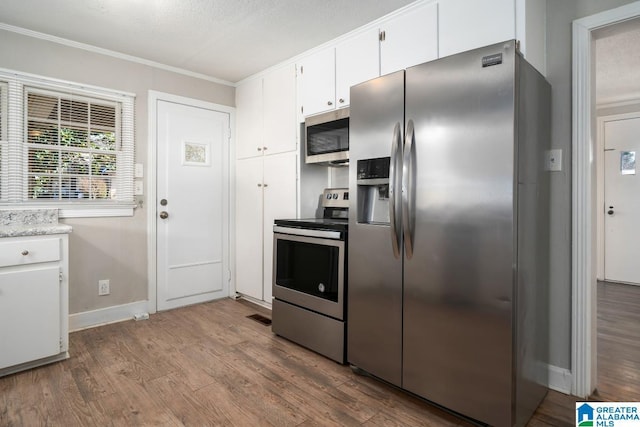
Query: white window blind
(3,136)
(66,145)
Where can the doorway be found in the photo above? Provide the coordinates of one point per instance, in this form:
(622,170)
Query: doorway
(585,204)
(619,185)
(189,201)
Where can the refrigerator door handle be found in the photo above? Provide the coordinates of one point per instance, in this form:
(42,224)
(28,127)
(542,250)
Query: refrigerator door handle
(408,191)
(393,218)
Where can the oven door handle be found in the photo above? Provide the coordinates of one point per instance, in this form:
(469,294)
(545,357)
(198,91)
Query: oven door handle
(306,232)
(396,231)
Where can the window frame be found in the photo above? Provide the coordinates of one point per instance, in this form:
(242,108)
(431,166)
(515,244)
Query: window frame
(14,169)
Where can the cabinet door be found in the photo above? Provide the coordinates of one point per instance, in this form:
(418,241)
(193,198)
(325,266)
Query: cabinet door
(469,24)
(280,194)
(279,96)
(357,60)
(409,39)
(30,317)
(249,119)
(318,82)
(249,227)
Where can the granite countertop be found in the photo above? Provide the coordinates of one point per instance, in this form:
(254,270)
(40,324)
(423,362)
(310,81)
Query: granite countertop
(31,222)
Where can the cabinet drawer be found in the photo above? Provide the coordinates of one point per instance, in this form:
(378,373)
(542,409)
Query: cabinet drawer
(22,252)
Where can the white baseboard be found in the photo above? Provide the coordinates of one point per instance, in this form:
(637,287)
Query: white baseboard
(103,316)
(560,379)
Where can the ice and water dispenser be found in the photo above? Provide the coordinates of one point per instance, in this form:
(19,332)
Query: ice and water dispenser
(373,191)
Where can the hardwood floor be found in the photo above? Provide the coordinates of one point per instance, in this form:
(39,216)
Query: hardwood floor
(618,342)
(210,365)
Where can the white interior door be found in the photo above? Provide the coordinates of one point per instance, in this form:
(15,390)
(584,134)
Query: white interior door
(621,201)
(191,204)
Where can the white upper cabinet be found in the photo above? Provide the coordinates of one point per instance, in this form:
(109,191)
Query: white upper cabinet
(249,119)
(266,114)
(357,60)
(318,82)
(409,39)
(469,24)
(279,110)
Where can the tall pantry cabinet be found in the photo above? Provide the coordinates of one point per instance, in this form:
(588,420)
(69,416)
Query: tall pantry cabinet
(266,180)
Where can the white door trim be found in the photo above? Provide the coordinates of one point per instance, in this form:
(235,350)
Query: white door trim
(151,177)
(584,233)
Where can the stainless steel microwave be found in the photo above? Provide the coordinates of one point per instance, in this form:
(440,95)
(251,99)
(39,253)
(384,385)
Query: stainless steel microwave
(327,137)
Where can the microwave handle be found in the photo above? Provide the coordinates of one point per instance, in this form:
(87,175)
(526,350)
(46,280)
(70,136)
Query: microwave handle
(393,217)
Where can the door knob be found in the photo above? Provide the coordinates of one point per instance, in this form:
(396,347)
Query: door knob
(163,202)
(610,211)
(164,215)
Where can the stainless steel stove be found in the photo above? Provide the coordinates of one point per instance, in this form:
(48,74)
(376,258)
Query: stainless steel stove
(309,283)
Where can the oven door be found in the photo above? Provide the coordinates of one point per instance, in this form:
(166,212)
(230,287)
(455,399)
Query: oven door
(308,271)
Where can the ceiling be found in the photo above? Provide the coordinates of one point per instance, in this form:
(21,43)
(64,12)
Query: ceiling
(223,39)
(617,62)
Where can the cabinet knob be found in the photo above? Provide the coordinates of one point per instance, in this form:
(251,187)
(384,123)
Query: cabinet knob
(259,148)
(264,148)
(265,185)
(25,252)
(259,185)
(341,100)
(329,103)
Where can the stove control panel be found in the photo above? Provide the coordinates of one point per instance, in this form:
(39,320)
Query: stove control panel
(335,198)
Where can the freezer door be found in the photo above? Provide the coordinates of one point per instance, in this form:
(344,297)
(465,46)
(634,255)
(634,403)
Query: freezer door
(459,202)
(374,302)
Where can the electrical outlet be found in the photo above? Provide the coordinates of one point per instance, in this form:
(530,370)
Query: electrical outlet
(103,287)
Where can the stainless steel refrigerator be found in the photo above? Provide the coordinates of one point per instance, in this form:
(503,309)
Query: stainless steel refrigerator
(449,232)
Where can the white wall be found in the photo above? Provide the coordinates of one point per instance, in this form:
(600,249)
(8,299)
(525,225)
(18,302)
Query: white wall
(107,248)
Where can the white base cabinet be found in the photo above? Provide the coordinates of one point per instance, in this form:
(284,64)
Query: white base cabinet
(266,189)
(33,301)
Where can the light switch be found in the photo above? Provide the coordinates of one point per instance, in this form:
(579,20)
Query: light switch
(139,171)
(553,160)
(138,190)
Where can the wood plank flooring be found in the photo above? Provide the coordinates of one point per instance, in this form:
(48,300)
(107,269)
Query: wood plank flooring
(210,365)
(618,342)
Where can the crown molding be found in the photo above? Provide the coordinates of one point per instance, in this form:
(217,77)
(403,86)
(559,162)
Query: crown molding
(112,53)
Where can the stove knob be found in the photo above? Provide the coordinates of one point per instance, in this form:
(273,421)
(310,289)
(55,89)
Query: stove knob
(321,287)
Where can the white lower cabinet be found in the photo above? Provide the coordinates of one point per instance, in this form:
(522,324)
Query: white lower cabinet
(266,189)
(33,301)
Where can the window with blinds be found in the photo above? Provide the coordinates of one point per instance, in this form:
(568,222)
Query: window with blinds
(65,145)
(3,134)
(73,145)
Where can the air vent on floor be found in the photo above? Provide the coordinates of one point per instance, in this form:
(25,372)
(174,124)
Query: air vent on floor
(260,318)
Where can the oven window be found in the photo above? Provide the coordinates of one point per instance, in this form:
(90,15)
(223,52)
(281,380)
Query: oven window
(309,268)
(328,137)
